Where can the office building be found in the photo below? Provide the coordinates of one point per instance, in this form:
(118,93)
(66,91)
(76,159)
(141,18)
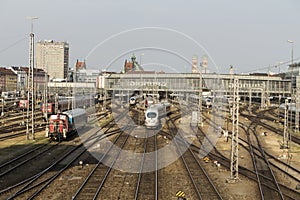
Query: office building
(53,57)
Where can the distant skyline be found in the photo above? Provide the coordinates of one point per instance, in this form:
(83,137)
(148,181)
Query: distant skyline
(249,35)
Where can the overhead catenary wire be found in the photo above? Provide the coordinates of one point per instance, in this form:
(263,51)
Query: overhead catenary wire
(273,66)
(13,44)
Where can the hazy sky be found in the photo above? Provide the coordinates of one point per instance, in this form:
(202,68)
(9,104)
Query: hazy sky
(246,34)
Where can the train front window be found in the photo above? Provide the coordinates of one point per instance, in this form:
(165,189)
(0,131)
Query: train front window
(151,114)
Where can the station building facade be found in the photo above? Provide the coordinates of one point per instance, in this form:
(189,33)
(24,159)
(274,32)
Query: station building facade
(189,83)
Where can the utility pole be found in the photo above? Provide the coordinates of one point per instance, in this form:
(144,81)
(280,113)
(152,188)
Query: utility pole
(263,96)
(2,112)
(292,80)
(104,100)
(285,143)
(292,101)
(234,164)
(230,94)
(250,100)
(200,98)
(268,90)
(30,82)
(56,103)
(279,101)
(297,109)
(46,93)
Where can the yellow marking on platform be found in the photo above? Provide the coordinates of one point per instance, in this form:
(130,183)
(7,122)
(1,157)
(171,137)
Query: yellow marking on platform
(180,194)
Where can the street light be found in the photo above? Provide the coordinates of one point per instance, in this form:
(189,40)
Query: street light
(31,19)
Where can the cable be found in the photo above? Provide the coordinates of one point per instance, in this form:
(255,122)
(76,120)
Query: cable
(273,66)
(13,44)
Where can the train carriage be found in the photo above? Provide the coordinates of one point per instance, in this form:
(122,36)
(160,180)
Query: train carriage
(23,104)
(149,101)
(154,113)
(66,103)
(206,101)
(62,125)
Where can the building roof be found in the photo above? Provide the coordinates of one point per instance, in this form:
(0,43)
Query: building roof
(132,66)
(16,68)
(140,72)
(52,42)
(5,71)
(25,69)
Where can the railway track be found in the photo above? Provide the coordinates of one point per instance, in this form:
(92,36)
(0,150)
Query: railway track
(20,133)
(121,183)
(31,187)
(262,166)
(287,192)
(140,181)
(216,155)
(203,185)
(18,122)
(19,161)
(283,167)
(147,183)
(270,127)
(94,183)
(37,187)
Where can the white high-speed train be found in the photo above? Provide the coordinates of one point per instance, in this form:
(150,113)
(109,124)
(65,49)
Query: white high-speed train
(206,101)
(134,100)
(154,113)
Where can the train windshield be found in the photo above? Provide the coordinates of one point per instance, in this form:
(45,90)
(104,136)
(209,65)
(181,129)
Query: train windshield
(151,114)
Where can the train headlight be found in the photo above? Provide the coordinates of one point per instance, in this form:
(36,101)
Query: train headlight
(64,133)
